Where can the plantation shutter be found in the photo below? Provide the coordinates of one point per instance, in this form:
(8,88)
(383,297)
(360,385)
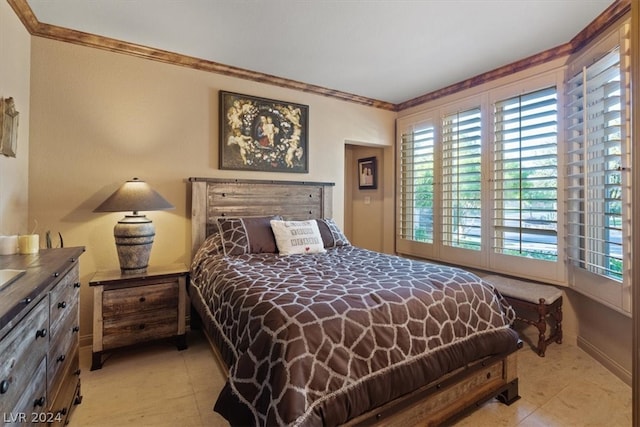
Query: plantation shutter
(525,176)
(416,185)
(598,155)
(461,179)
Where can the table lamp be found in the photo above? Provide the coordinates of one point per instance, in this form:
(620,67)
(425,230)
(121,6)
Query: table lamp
(134,233)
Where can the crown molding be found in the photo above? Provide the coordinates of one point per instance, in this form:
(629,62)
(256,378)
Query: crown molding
(614,12)
(39,29)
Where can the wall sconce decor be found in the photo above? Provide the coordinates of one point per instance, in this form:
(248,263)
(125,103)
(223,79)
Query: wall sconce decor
(134,233)
(8,127)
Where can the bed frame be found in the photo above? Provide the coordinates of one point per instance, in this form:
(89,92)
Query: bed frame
(437,403)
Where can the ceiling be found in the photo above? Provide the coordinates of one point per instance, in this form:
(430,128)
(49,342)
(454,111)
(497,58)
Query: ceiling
(387,50)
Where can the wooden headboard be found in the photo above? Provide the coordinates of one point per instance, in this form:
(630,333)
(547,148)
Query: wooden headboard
(293,200)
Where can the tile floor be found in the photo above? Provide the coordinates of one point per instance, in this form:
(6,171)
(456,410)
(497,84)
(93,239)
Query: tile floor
(156,385)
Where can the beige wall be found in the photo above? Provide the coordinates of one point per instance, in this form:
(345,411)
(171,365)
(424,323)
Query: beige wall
(603,333)
(15,48)
(100,118)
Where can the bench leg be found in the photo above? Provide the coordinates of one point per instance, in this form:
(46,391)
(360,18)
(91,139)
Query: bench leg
(542,327)
(558,318)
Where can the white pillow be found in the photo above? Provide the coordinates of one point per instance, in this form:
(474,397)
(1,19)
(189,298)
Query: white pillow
(297,237)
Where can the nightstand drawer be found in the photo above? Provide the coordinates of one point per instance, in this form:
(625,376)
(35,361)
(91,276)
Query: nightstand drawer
(119,302)
(118,332)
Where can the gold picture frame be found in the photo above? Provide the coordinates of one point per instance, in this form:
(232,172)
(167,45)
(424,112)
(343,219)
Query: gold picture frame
(8,127)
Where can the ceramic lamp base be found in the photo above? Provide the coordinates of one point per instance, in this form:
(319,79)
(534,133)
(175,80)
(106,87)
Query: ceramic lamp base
(134,237)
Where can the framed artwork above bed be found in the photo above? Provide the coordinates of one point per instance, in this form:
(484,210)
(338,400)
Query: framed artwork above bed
(260,134)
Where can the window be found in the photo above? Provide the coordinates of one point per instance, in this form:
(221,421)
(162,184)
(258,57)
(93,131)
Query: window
(595,167)
(461,180)
(528,175)
(525,176)
(598,160)
(478,186)
(416,184)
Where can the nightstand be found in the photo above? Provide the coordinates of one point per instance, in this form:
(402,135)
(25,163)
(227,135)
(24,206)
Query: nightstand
(133,308)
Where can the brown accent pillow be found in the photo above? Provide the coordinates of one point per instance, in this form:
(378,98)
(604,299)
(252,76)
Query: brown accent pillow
(260,234)
(248,235)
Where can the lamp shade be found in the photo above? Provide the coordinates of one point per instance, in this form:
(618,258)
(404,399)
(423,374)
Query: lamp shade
(134,195)
(134,233)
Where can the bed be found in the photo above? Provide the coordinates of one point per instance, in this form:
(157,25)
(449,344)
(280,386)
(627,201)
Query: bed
(333,334)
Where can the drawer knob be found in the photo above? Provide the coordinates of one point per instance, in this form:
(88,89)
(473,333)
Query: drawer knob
(76,285)
(61,358)
(56,274)
(75,329)
(4,386)
(62,304)
(41,333)
(142,299)
(40,401)
(27,300)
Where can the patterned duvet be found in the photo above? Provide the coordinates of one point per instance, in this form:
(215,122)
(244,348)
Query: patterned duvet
(320,339)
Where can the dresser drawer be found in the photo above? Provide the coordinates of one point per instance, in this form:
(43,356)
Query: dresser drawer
(62,297)
(140,327)
(133,300)
(30,409)
(21,351)
(61,348)
(68,392)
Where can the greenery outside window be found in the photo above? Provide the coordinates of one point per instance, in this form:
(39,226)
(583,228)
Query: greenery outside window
(525,175)
(416,175)
(462,180)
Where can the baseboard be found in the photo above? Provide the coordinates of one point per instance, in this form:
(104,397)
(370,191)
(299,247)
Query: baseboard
(86,340)
(613,366)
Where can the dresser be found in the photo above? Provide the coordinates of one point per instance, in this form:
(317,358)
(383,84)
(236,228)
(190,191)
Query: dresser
(134,308)
(39,337)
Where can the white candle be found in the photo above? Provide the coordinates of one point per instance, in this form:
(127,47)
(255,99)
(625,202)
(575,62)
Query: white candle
(8,245)
(29,244)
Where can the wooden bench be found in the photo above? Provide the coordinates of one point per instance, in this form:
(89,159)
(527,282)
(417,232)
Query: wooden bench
(534,304)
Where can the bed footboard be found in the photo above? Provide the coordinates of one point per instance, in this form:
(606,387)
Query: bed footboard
(445,400)
(450,397)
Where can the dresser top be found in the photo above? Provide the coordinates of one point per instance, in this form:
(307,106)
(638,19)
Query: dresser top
(41,272)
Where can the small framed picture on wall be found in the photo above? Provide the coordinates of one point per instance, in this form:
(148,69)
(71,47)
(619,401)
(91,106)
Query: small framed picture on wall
(368,173)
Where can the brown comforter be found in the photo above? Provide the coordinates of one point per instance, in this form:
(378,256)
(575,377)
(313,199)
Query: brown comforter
(320,339)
